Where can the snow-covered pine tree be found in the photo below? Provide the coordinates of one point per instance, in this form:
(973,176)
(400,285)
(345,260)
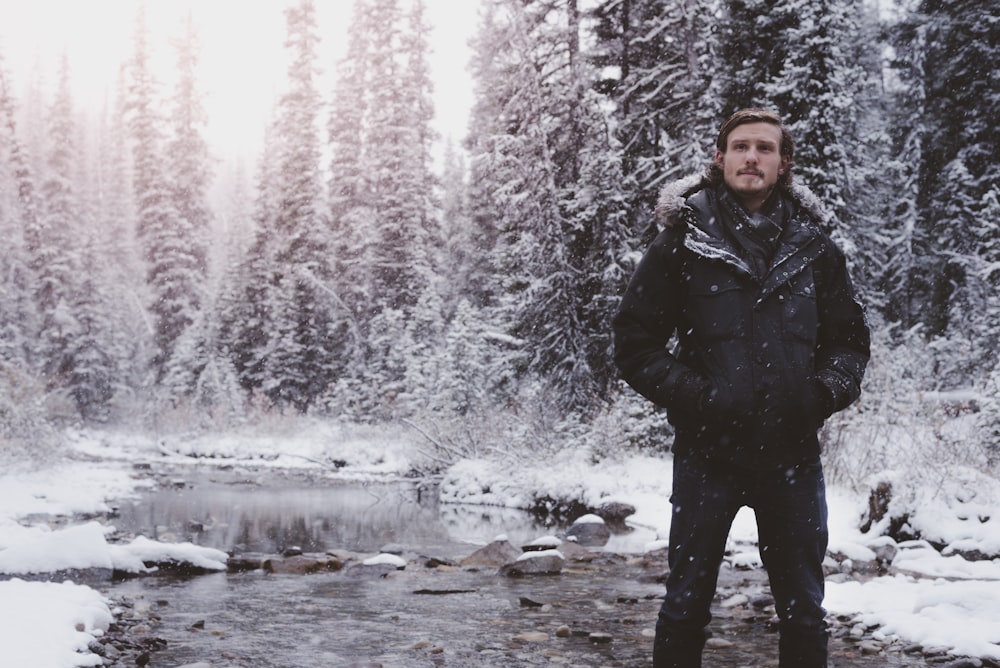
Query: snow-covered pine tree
(486,122)
(172,268)
(459,251)
(33,117)
(189,175)
(751,50)
(656,56)
(984,272)
(119,274)
(187,153)
(955,44)
(114,193)
(382,198)
(513,163)
(988,418)
(352,216)
(23,423)
(556,181)
(18,212)
(987,349)
(819,87)
(466,367)
(397,143)
(75,335)
(905,279)
(91,381)
(55,257)
(293,243)
(244,299)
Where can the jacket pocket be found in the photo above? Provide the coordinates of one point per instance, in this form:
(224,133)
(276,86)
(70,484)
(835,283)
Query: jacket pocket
(716,309)
(799,314)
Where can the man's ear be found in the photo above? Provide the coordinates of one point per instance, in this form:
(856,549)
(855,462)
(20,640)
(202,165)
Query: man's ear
(719,158)
(785,160)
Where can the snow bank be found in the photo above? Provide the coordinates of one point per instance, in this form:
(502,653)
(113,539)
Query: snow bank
(86,547)
(50,625)
(959,617)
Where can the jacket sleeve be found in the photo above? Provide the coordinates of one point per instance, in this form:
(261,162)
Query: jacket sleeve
(844,340)
(646,321)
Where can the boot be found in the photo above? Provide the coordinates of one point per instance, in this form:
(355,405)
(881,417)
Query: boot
(678,647)
(802,648)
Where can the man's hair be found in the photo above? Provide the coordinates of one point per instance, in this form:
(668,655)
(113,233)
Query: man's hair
(753,115)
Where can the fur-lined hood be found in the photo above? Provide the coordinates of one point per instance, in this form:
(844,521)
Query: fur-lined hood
(673,197)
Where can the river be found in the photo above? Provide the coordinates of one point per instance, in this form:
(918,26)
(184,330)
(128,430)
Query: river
(598,613)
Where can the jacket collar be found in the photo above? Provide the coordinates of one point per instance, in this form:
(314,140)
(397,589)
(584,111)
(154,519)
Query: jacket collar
(687,201)
(673,198)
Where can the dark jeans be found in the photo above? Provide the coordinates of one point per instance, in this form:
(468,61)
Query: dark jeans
(790,506)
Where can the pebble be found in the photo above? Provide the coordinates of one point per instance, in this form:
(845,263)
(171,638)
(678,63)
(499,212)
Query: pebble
(718,643)
(735,601)
(871,647)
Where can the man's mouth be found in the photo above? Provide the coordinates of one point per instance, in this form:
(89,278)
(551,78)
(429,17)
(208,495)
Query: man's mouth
(750,172)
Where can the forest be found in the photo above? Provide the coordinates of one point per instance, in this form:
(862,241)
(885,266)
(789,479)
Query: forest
(353,277)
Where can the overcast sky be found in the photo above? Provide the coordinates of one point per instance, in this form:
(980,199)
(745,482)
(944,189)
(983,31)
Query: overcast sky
(243,58)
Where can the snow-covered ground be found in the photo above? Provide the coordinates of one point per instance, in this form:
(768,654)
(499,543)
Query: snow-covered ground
(935,598)
(50,624)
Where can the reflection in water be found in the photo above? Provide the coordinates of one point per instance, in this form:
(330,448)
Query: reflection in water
(318,516)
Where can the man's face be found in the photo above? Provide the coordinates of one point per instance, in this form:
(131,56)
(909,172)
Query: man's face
(752,162)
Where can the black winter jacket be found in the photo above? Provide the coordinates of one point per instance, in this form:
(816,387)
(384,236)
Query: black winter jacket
(758,365)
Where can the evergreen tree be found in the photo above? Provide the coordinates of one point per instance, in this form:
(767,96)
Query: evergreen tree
(384,215)
(985,272)
(486,127)
(244,301)
(167,240)
(819,89)
(988,418)
(660,53)
(114,193)
(906,278)
(352,212)
(560,213)
(18,217)
(286,349)
(91,381)
(950,45)
(54,260)
(460,252)
(98,351)
(870,194)
(188,174)
(187,153)
(752,49)
(118,271)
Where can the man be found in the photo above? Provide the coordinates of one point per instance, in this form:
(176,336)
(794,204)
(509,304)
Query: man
(770,341)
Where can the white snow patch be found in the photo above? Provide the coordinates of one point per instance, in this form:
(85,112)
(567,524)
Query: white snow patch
(537,554)
(385,558)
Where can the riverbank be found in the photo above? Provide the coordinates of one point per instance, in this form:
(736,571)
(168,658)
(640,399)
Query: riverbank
(937,604)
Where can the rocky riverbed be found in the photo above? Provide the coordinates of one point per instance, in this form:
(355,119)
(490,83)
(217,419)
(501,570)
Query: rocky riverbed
(425,600)
(490,608)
